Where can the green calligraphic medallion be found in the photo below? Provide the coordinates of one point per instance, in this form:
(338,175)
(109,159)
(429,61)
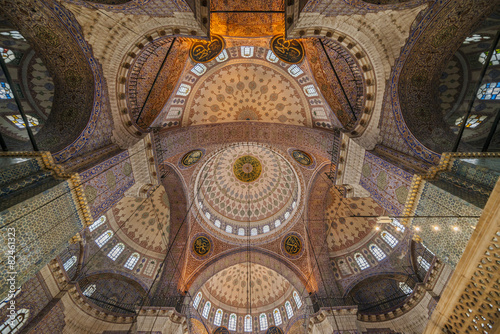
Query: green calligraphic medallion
(292,245)
(201,246)
(274,330)
(221,330)
(191,158)
(290,51)
(247,168)
(205,51)
(302,158)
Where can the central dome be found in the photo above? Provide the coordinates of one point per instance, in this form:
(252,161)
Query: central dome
(247,189)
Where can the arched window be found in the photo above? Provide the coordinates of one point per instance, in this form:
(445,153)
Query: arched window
(253,231)
(184,90)
(397,225)
(271,57)
(248,323)
(247,52)
(377,252)
(222,56)
(18,121)
(423,263)
(207,214)
(7,55)
(206,310)
(97,223)
(310,91)
(6,93)
(389,238)
(11,326)
(68,264)
(116,251)
(229,229)
(297,299)
(232,322)
(263,322)
(405,288)
(265,229)
(287,214)
(361,261)
(289,310)
(89,291)
(217,223)
(199,69)
(132,260)
(149,270)
(13,34)
(103,238)
(495,58)
(218,317)
(295,71)
(277,317)
(197,300)
(241,231)
(472,122)
(277,223)
(9,298)
(488,91)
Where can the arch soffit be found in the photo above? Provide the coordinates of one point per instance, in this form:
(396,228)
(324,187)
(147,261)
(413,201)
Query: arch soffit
(270,260)
(368,279)
(140,286)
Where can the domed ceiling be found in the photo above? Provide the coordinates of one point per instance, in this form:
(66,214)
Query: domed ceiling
(247,189)
(229,288)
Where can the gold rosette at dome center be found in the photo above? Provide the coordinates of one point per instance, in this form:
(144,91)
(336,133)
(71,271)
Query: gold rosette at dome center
(247,168)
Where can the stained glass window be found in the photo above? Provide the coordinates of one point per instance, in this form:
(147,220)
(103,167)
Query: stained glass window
(199,69)
(263,322)
(361,261)
(277,317)
(97,223)
(206,310)
(472,122)
(489,91)
(5,92)
(19,122)
(229,229)
(116,251)
(377,252)
(265,229)
(253,231)
(11,326)
(232,322)
(222,56)
(103,238)
(7,55)
(68,264)
(9,298)
(397,224)
(289,310)
(423,263)
(149,270)
(271,57)
(197,300)
(405,288)
(241,231)
(297,299)
(217,223)
(184,90)
(495,59)
(295,71)
(475,38)
(218,317)
(389,238)
(310,90)
(89,291)
(132,260)
(247,51)
(277,223)
(248,323)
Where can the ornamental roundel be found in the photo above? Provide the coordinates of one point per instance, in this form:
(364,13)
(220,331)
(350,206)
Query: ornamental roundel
(302,158)
(191,158)
(290,51)
(202,245)
(221,330)
(292,245)
(247,168)
(274,330)
(205,51)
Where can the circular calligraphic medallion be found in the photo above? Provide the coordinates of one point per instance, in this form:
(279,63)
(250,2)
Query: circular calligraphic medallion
(205,51)
(191,158)
(247,168)
(274,330)
(201,246)
(290,51)
(302,157)
(221,330)
(292,245)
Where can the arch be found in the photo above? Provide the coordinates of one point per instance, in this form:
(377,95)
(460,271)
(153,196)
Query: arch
(361,261)
(277,317)
(206,310)
(389,239)
(12,326)
(218,317)
(104,238)
(69,263)
(116,251)
(132,261)
(263,322)
(289,310)
(377,252)
(248,323)
(97,223)
(232,322)
(197,300)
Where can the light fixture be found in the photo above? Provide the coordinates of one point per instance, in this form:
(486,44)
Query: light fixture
(377,228)
(417,228)
(436,228)
(455,228)
(384,220)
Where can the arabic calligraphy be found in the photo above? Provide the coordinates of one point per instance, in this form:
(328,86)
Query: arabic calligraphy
(302,157)
(292,245)
(201,246)
(247,168)
(191,157)
(205,51)
(290,51)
